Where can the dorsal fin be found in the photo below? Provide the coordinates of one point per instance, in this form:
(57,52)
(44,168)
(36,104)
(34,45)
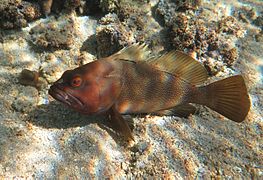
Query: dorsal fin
(134,52)
(182,65)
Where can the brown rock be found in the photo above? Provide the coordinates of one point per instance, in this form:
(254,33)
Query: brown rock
(16,14)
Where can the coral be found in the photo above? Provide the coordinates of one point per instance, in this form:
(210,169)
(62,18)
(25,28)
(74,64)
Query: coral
(30,10)
(130,23)
(16,13)
(91,7)
(259,21)
(230,56)
(245,14)
(230,25)
(111,36)
(168,9)
(72,4)
(259,36)
(109,5)
(186,31)
(67,6)
(54,34)
(184,5)
(192,34)
(189,30)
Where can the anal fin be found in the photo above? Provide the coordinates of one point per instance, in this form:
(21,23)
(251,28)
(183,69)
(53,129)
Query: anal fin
(119,124)
(183,110)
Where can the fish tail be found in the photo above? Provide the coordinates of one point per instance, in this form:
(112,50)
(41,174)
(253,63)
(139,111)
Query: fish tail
(228,97)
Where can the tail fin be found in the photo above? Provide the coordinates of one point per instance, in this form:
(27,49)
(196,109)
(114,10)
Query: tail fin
(228,97)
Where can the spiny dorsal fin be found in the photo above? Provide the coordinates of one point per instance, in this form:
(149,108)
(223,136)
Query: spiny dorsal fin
(135,52)
(182,65)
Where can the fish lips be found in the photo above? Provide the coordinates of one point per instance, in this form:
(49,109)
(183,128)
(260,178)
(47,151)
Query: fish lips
(59,94)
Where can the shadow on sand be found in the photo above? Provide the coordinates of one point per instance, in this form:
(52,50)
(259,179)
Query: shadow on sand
(56,115)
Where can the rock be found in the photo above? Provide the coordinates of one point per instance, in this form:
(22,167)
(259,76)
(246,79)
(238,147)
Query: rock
(55,34)
(92,7)
(16,14)
(259,21)
(26,100)
(112,36)
(230,56)
(32,78)
(245,13)
(230,25)
(108,6)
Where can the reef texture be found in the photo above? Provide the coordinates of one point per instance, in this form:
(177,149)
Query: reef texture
(17,13)
(42,139)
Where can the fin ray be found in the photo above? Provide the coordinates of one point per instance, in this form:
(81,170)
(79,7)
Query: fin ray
(120,125)
(174,62)
(182,65)
(135,52)
(228,97)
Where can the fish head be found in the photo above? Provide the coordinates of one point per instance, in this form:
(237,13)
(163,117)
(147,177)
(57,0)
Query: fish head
(89,89)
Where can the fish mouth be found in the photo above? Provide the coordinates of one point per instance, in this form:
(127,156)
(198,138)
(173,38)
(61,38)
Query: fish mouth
(57,93)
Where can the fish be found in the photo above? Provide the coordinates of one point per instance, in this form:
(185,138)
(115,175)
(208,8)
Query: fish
(132,82)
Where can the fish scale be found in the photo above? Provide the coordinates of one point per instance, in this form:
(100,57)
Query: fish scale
(145,85)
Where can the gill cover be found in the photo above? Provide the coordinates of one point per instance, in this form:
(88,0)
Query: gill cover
(95,85)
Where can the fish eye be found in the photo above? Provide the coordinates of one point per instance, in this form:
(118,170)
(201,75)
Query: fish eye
(76,81)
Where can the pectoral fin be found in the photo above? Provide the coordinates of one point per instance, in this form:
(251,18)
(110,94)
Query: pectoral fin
(183,110)
(119,124)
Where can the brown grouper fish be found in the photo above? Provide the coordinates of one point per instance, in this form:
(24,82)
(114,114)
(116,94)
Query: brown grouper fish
(129,83)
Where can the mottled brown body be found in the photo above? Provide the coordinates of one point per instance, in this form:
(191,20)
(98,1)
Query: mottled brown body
(127,83)
(147,90)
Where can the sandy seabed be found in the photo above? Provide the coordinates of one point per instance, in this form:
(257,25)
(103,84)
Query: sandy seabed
(42,139)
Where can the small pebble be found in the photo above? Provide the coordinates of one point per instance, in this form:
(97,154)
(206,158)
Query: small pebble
(32,78)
